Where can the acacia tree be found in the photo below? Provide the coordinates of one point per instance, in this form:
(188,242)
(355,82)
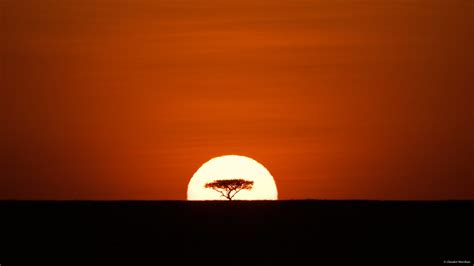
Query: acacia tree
(228,188)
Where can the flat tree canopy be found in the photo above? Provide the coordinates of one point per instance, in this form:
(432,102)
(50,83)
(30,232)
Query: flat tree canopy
(229,187)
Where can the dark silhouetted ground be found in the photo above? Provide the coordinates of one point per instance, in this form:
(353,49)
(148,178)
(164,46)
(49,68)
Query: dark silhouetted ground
(236,233)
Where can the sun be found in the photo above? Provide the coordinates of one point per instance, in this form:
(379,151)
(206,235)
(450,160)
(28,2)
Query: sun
(233,167)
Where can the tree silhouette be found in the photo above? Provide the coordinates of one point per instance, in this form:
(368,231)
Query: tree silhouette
(228,188)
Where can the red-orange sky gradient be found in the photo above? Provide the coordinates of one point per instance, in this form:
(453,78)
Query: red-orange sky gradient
(126,99)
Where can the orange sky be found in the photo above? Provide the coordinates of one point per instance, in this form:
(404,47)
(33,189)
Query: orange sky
(338,99)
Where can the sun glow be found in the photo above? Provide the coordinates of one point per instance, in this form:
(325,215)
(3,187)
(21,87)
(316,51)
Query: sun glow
(233,167)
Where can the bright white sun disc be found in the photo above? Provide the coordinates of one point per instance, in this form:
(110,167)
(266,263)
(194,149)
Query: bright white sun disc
(233,167)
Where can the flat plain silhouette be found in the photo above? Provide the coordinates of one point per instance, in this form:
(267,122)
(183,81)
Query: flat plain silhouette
(312,232)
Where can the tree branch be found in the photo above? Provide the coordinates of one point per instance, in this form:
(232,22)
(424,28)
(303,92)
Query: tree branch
(222,193)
